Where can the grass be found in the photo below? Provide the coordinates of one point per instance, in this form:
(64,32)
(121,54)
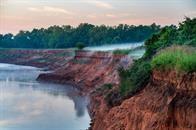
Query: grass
(121,52)
(127,51)
(179,58)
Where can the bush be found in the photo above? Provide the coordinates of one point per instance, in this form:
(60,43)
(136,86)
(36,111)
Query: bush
(80,45)
(135,77)
(177,58)
(161,40)
(125,83)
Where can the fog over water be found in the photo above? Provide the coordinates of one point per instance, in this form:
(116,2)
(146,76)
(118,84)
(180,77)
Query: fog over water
(115,46)
(26,104)
(137,53)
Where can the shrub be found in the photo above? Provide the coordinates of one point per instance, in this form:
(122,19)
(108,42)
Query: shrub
(125,83)
(80,45)
(135,77)
(177,58)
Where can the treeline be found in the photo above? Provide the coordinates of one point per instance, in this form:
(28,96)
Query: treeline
(68,36)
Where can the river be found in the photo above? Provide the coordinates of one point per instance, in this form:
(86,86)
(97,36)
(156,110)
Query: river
(26,104)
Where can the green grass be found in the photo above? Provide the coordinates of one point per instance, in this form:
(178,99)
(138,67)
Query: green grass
(121,52)
(179,58)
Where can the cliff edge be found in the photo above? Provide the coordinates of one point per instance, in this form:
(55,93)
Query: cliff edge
(89,70)
(167,102)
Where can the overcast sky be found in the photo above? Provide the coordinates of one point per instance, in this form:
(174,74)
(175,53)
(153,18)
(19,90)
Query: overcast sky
(18,15)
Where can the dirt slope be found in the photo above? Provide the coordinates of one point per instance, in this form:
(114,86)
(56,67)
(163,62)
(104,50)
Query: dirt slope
(168,102)
(89,70)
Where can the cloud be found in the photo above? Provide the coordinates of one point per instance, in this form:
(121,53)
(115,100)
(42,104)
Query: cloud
(50,9)
(191,13)
(110,15)
(34,9)
(91,16)
(101,4)
(57,10)
(9,122)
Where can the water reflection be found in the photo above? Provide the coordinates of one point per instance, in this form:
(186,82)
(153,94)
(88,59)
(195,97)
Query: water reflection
(80,102)
(28,105)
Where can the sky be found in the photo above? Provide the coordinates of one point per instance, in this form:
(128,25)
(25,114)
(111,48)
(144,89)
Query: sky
(18,15)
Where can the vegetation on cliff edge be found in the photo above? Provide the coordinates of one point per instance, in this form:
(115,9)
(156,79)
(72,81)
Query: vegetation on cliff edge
(133,78)
(185,34)
(179,58)
(121,51)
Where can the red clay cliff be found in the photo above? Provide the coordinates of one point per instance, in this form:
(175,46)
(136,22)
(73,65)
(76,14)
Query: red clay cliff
(167,102)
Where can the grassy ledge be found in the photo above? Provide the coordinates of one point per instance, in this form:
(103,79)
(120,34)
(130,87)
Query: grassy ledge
(179,58)
(121,51)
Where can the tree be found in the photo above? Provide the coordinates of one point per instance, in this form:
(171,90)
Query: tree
(7,41)
(80,45)
(1,40)
(185,34)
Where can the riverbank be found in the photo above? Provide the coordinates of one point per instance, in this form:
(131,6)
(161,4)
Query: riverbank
(48,59)
(167,101)
(85,70)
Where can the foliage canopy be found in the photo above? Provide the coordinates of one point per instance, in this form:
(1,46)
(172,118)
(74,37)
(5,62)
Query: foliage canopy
(68,36)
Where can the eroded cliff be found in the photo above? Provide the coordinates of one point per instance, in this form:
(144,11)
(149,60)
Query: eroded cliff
(89,70)
(168,102)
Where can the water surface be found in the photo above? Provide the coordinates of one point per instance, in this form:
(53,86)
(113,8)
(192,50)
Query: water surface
(28,105)
(138,53)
